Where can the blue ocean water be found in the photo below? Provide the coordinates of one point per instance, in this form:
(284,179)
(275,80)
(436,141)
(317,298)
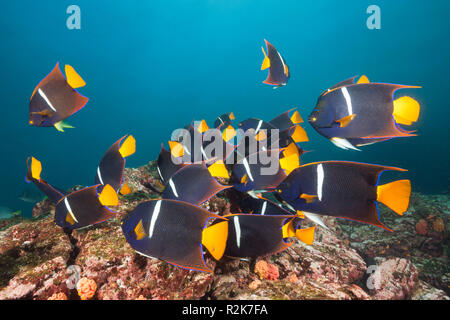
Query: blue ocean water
(153,66)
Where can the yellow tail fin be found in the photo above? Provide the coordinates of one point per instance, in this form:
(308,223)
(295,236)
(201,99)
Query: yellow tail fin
(296,118)
(202,127)
(73,78)
(406,110)
(288,230)
(266,61)
(176,149)
(306,235)
(128,147)
(395,195)
(214,238)
(299,134)
(289,163)
(125,189)
(108,196)
(36,168)
(218,169)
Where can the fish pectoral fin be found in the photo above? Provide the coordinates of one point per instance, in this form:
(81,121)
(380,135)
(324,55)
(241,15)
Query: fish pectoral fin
(218,169)
(128,147)
(214,238)
(346,120)
(70,218)
(61,125)
(139,231)
(266,61)
(308,197)
(73,78)
(406,110)
(108,196)
(306,235)
(395,195)
(44,113)
(343,143)
(315,218)
(363,79)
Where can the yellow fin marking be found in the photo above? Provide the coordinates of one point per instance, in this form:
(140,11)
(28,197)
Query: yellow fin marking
(214,238)
(288,230)
(300,214)
(202,127)
(363,79)
(108,196)
(218,169)
(70,219)
(36,168)
(395,195)
(139,231)
(125,189)
(306,235)
(406,110)
(290,163)
(308,197)
(266,61)
(73,78)
(299,134)
(296,118)
(346,120)
(229,133)
(176,149)
(231,116)
(128,147)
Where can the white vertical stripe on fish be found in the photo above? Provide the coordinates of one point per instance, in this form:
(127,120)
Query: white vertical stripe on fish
(154,218)
(237,229)
(99,175)
(69,209)
(348,100)
(42,94)
(320,178)
(247,169)
(172,185)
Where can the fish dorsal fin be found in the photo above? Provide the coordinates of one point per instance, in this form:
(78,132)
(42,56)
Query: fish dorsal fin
(214,238)
(299,134)
(128,147)
(73,78)
(346,120)
(36,168)
(266,61)
(218,169)
(108,196)
(125,189)
(176,149)
(296,118)
(288,229)
(395,195)
(229,133)
(363,79)
(406,110)
(306,235)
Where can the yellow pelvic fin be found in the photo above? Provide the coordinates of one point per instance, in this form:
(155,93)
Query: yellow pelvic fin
(218,169)
(363,79)
(202,127)
(308,197)
(231,116)
(261,136)
(176,149)
(346,120)
(300,214)
(214,238)
(128,147)
(229,133)
(296,118)
(288,230)
(108,196)
(406,110)
(306,235)
(395,195)
(266,61)
(139,230)
(36,168)
(289,163)
(61,125)
(73,78)
(299,134)
(125,189)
